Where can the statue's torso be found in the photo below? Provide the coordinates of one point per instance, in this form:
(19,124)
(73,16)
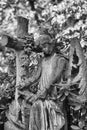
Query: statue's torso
(48,71)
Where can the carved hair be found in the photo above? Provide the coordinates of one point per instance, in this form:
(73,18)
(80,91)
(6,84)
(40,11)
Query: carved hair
(44,39)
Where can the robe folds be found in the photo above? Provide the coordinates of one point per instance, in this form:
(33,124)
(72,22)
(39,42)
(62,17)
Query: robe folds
(46,115)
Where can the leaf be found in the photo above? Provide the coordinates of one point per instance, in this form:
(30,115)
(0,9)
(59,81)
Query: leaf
(66,93)
(83,112)
(77,107)
(74,127)
(58,96)
(4,40)
(63,98)
(82,98)
(82,84)
(81,124)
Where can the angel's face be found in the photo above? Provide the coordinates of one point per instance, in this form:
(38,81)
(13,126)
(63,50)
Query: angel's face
(47,49)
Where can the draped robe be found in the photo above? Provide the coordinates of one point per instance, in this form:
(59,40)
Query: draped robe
(46,114)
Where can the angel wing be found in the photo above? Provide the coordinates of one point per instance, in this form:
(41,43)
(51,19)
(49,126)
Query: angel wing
(78,62)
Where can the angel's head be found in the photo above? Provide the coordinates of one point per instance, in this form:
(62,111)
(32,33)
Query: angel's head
(46,44)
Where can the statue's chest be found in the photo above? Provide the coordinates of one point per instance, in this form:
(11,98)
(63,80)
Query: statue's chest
(48,64)
(49,67)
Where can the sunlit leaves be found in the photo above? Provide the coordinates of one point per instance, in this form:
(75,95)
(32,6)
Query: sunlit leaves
(77,107)
(59,12)
(74,127)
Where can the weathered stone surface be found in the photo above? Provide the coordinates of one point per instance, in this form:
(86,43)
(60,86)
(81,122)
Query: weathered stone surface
(9,126)
(46,116)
